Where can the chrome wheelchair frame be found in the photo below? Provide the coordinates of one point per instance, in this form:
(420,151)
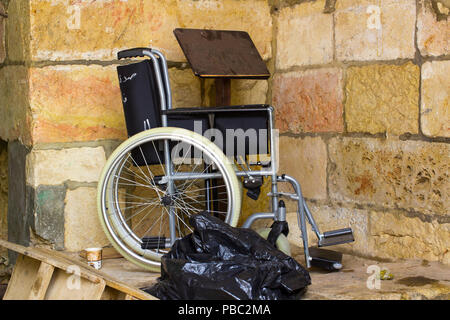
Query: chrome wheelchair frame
(278,209)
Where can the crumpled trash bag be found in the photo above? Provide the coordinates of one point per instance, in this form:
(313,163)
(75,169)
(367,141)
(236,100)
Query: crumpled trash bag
(219,262)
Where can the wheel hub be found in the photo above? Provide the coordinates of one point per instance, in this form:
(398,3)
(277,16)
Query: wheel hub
(166,200)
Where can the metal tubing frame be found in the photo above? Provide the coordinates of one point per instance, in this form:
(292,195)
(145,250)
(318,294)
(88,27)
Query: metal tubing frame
(162,79)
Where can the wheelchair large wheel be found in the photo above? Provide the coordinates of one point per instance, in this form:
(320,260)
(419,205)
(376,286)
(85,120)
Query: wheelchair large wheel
(143,210)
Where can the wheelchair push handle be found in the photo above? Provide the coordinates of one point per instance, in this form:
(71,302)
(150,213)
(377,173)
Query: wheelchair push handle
(133,53)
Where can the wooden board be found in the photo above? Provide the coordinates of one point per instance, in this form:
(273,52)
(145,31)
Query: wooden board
(45,274)
(22,278)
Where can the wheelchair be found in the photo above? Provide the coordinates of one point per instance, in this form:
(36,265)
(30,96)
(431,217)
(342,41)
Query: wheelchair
(173,165)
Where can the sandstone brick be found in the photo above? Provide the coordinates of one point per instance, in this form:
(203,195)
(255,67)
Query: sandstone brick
(412,175)
(82,227)
(53,167)
(306,160)
(186,88)
(242,92)
(48,214)
(332,218)
(76,103)
(248,92)
(382,98)
(373,30)
(435,107)
(398,236)
(433,35)
(309,101)
(304,35)
(250,206)
(15,117)
(98,29)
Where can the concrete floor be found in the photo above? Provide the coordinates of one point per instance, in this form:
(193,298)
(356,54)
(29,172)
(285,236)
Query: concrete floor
(412,279)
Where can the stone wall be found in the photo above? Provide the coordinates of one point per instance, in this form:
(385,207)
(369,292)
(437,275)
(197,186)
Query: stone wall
(361,100)
(362,96)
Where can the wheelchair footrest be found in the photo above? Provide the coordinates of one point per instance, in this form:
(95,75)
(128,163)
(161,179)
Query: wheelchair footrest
(153,243)
(334,237)
(325,259)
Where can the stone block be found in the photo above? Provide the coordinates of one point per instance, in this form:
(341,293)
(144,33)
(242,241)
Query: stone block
(412,175)
(382,98)
(248,91)
(96,30)
(305,159)
(373,30)
(243,91)
(186,88)
(398,236)
(309,101)
(304,35)
(48,214)
(432,32)
(76,103)
(331,218)
(435,106)
(82,227)
(54,167)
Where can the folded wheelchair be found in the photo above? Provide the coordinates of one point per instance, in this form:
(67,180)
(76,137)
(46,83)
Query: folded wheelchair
(183,161)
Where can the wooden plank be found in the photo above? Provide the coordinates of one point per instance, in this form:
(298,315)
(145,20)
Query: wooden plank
(47,256)
(41,282)
(22,278)
(66,286)
(223,92)
(112,294)
(65,262)
(111,282)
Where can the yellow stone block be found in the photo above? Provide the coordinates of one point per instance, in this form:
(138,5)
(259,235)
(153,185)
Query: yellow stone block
(433,35)
(382,98)
(395,235)
(304,35)
(54,167)
(435,106)
(332,218)
(96,30)
(305,159)
(242,92)
(82,227)
(186,88)
(374,30)
(412,175)
(76,103)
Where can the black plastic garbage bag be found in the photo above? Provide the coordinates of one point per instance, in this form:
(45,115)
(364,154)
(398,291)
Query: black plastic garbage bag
(218,261)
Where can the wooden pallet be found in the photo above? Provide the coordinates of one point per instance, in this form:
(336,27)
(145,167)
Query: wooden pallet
(42,274)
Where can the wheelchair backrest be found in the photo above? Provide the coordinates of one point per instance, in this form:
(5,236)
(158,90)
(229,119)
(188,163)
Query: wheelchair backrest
(141,102)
